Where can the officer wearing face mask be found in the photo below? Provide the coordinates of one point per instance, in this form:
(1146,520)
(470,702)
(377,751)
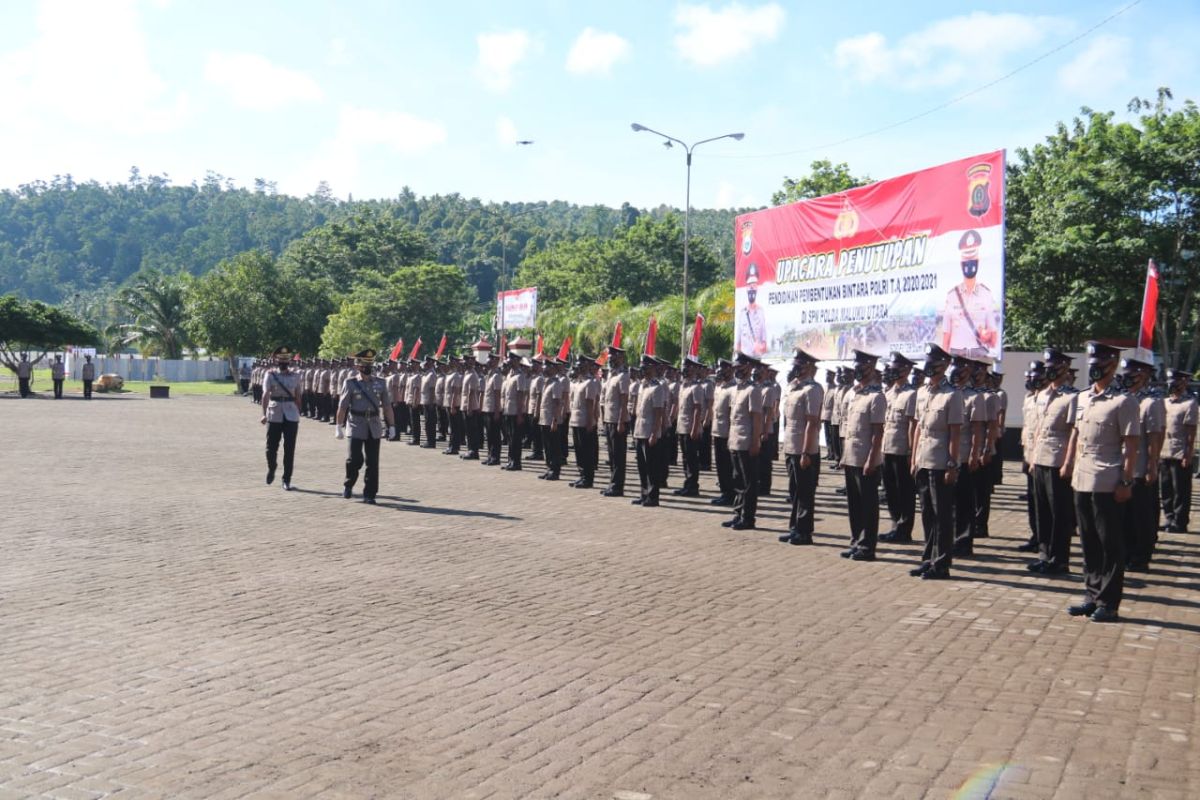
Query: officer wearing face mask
(362,407)
(971,445)
(935,463)
(281,414)
(1141,512)
(1101,458)
(1035,381)
(898,486)
(752,322)
(862,426)
(801,445)
(1178,451)
(1053,503)
(970,315)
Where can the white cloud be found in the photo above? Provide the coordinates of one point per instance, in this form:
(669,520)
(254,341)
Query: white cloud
(499,55)
(1103,65)
(945,52)
(710,37)
(730,196)
(338,54)
(88,65)
(595,52)
(254,82)
(506,131)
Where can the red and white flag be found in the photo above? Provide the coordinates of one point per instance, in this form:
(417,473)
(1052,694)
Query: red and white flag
(565,350)
(441,347)
(398,349)
(541,345)
(697,330)
(416,349)
(651,337)
(1149,308)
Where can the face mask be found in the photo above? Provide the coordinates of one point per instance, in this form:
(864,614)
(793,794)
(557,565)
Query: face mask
(1096,372)
(365,370)
(958,373)
(860,372)
(1054,373)
(283,367)
(970,268)
(889,375)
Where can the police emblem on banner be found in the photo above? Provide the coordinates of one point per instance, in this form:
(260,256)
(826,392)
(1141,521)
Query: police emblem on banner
(846,224)
(979,189)
(747,242)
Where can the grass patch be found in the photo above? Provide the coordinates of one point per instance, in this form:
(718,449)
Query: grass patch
(43,385)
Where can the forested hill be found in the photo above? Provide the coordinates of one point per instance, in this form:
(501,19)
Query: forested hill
(62,237)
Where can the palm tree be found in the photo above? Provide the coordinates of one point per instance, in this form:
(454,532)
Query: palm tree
(155,302)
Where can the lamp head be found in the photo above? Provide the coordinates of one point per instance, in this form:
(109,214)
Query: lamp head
(737,136)
(636,127)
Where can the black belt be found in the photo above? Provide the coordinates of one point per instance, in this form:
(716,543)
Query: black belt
(283,399)
(364,413)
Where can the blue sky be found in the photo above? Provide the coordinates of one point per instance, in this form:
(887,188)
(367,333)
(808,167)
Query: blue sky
(372,95)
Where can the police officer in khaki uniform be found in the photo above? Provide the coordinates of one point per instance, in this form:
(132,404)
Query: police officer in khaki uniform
(1035,381)
(898,486)
(689,425)
(652,402)
(614,407)
(801,420)
(827,415)
(88,373)
(549,416)
(58,374)
(584,415)
(514,396)
(745,443)
(722,408)
(973,435)
(281,414)
(862,429)
(1053,501)
(364,403)
(493,409)
(1175,471)
(429,407)
(1141,517)
(935,463)
(24,373)
(472,406)
(1101,457)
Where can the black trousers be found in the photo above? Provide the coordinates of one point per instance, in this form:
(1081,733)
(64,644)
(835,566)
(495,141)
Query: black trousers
(585,459)
(901,492)
(662,465)
(937,517)
(87,390)
(648,469)
(745,486)
(862,496)
(1030,505)
(287,431)
(416,425)
(1175,483)
(474,423)
(443,417)
(830,436)
(457,429)
(327,407)
(724,464)
(617,444)
(23,386)
(670,439)
(767,454)
(536,441)
(552,448)
(706,448)
(1103,545)
(802,488)
(691,462)
(363,450)
(431,419)
(493,436)
(58,389)
(243,384)
(402,418)
(964,510)
(984,483)
(1055,515)
(835,443)
(516,433)
(1141,522)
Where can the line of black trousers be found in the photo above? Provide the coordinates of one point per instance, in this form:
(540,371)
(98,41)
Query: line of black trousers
(1175,485)
(317,405)
(363,451)
(1054,509)
(900,489)
(617,444)
(586,455)
(1102,541)
(516,436)
(802,488)
(494,423)
(691,462)
(745,486)
(723,461)
(1141,522)
(58,389)
(651,464)
(862,497)
(937,517)
(287,431)
(87,390)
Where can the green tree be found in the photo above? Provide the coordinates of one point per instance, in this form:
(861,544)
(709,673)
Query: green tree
(420,300)
(34,326)
(156,304)
(824,178)
(370,241)
(352,329)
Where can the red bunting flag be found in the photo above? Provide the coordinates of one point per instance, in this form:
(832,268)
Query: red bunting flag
(651,337)
(602,359)
(441,347)
(616,342)
(565,350)
(540,345)
(1149,308)
(697,330)
(503,346)
(398,349)
(416,349)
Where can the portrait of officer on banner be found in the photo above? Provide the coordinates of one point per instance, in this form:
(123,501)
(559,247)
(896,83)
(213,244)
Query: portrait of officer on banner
(970,321)
(751,322)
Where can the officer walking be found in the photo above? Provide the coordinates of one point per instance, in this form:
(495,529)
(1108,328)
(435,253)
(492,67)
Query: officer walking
(1175,471)
(939,419)
(614,405)
(801,419)
(862,429)
(364,400)
(899,487)
(745,443)
(281,414)
(1100,460)
(88,373)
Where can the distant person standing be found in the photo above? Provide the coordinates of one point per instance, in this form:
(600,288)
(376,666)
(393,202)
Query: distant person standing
(281,414)
(24,373)
(88,373)
(1175,472)
(243,376)
(57,375)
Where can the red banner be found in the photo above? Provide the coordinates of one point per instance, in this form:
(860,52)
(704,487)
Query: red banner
(565,350)
(651,337)
(397,350)
(1149,308)
(889,266)
(441,347)
(697,330)
(416,349)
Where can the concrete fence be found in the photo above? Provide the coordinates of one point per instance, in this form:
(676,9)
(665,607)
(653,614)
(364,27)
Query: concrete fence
(150,369)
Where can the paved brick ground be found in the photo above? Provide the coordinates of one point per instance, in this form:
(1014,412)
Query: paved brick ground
(170,627)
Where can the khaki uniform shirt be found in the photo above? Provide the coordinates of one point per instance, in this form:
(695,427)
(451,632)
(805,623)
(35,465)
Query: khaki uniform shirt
(1056,417)
(439,390)
(901,409)
(772,393)
(24,369)
(802,401)
(975,409)
(937,408)
(1181,414)
(89,371)
(536,384)
(412,390)
(472,392)
(722,409)
(865,409)
(837,404)
(1029,410)
(363,399)
(710,392)
(552,400)
(564,408)
(747,401)
(691,406)
(454,391)
(513,393)
(56,370)
(651,395)
(827,404)
(584,394)
(978,304)
(1101,422)
(635,388)
(491,392)
(614,398)
(281,408)
(1153,417)
(429,387)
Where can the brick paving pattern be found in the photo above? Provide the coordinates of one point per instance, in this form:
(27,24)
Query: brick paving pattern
(171,627)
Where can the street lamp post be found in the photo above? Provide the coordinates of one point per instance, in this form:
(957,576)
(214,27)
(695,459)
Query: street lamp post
(687,209)
(504,229)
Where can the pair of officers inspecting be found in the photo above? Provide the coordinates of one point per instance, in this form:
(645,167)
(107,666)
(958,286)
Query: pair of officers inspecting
(363,407)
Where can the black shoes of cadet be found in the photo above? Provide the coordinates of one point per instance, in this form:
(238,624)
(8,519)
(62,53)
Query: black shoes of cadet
(1084,609)
(722,500)
(270,475)
(1104,614)
(347,493)
(369,500)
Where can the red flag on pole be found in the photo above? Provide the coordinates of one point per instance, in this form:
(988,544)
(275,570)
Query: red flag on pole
(602,359)
(503,346)
(565,350)
(416,349)
(441,347)
(616,342)
(651,336)
(697,330)
(541,347)
(1149,308)
(398,349)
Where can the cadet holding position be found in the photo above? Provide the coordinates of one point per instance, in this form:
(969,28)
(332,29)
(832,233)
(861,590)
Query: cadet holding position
(1053,502)
(57,375)
(898,486)
(1175,472)
(1101,457)
(939,414)
(363,400)
(88,373)
(652,403)
(745,442)
(614,404)
(722,408)
(281,414)
(689,425)
(1141,523)
(1035,381)
(801,418)
(862,427)
(24,373)
(585,409)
